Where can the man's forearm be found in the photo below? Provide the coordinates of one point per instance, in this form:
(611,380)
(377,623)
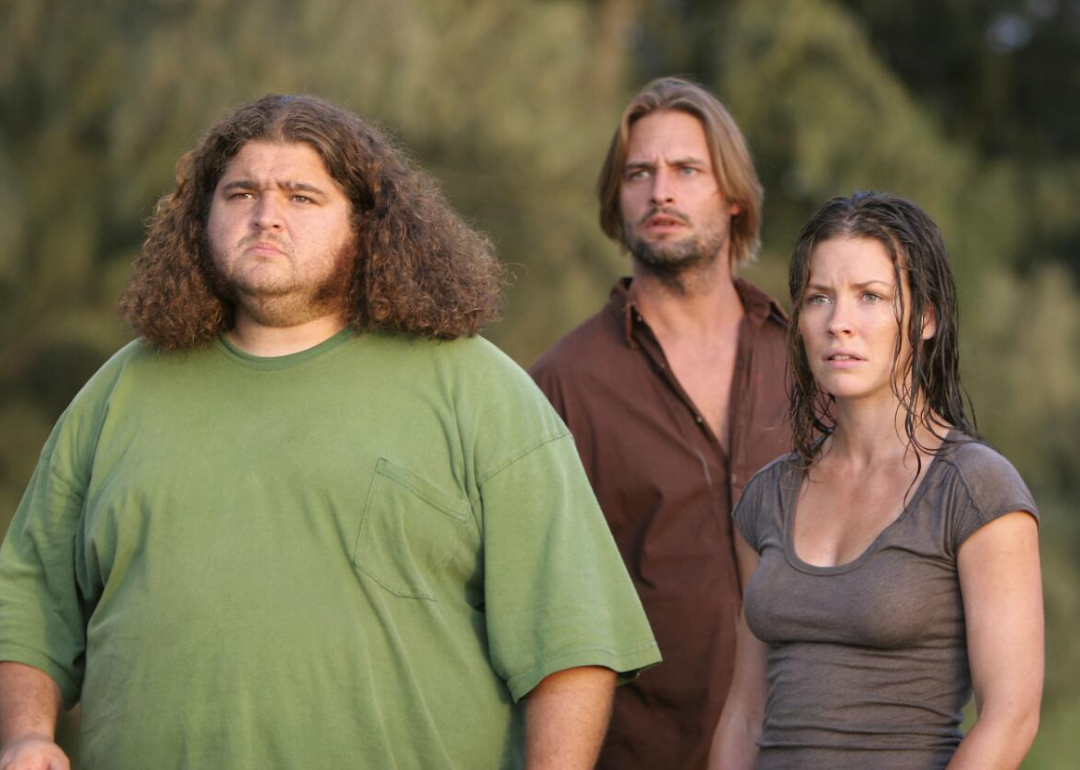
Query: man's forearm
(566,716)
(30,703)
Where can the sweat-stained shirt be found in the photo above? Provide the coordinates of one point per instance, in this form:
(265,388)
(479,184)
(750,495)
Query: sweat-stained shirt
(667,488)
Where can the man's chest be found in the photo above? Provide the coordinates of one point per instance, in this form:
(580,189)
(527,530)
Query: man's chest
(255,496)
(705,373)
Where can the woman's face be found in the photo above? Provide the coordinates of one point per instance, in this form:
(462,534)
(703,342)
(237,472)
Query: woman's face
(849,320)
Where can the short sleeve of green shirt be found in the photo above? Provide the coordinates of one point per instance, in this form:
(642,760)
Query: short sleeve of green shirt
(557,593)
(42,613)
(44,627)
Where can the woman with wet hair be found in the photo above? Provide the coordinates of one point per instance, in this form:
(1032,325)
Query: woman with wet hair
(891,561)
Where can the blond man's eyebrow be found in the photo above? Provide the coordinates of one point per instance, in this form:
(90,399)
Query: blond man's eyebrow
(687,161)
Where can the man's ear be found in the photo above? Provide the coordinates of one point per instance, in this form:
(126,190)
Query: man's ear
(734,209)
(929,324)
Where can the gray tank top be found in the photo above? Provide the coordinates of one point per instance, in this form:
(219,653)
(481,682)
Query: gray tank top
(867,663)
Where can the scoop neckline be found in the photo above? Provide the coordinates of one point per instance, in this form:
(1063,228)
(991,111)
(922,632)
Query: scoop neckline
(790,503)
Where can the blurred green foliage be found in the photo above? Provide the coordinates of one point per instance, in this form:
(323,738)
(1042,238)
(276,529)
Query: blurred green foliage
(969,107)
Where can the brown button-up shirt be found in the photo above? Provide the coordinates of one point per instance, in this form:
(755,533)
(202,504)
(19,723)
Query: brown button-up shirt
(667,488)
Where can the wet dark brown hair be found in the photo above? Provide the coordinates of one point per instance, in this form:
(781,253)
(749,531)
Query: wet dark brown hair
(730,157)
(419,268)
(932,392)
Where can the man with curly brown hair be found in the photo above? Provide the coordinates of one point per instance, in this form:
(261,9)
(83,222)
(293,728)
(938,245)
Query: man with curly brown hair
(309,518)
(675,394)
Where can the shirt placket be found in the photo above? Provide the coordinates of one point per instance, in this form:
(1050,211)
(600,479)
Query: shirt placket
(640,335)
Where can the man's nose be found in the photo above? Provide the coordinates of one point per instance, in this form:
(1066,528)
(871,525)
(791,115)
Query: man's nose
(267,213)
(662,191)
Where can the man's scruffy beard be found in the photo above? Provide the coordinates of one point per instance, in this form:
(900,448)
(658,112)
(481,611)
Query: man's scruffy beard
(681,265)
(330,297)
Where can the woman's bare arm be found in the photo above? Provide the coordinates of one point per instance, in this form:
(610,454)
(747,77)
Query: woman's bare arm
(1002,590)
(734,745)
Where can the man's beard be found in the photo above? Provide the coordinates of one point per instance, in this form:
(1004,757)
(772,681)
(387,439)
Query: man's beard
(291,306)
(676,262)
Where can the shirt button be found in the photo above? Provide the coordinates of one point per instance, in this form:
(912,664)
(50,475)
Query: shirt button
(698,419)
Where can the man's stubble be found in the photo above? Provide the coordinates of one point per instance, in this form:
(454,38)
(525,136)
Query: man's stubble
(291,305)
(683,265)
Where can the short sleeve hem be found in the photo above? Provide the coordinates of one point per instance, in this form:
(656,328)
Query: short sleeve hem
(983,518)
(744,523)
(627,664)
(11,652)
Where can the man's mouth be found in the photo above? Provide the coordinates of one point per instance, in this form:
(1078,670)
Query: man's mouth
(664,219)
(264,247)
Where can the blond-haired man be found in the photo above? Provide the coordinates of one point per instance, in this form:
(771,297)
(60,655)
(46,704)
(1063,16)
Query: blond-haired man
(675,395)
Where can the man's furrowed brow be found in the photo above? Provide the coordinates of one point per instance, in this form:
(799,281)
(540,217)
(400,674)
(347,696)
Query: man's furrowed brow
(298,186)
(289,185)
(238,184)
(689,160)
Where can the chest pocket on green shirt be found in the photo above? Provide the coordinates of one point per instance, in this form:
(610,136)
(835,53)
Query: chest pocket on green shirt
(408,531)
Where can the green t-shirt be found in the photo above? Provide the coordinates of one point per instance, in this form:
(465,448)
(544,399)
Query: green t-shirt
(360,555)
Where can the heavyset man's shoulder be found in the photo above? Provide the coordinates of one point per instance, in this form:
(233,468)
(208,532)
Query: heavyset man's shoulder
(499,410)
(475,371)
(473,360)
(77,428)
(131,356)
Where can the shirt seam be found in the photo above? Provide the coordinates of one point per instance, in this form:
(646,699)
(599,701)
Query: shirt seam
(980,512)
(520,456)
(967,489)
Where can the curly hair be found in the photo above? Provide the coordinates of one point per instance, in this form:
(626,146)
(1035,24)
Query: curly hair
(419,269)
(731,161)
(931,391)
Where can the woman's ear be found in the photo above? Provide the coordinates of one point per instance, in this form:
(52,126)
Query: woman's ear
(929,324)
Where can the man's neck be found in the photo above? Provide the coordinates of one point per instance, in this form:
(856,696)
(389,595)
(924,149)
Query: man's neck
(704,307)
(258,339)
(697,325)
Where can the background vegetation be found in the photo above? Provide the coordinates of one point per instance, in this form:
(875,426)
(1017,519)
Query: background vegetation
(969,107)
